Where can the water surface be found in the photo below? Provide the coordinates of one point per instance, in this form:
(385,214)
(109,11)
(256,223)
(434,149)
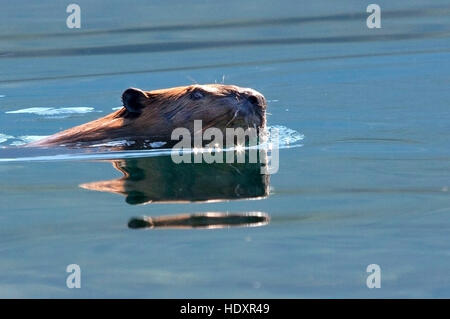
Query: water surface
(369,186)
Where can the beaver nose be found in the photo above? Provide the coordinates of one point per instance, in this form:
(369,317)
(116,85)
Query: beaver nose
(255,98)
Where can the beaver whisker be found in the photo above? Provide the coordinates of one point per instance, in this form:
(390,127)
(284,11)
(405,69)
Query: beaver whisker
(233,118)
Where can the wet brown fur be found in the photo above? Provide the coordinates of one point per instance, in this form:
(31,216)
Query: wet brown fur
(164,110)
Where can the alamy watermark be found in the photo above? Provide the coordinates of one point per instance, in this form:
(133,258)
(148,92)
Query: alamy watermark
(374,19)
(73,21)
(374,279)
(74,279)
(237,146)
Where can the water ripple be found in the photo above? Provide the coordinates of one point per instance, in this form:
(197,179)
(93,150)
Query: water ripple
(199,45)
(252,23)
(287,138)
(226,65)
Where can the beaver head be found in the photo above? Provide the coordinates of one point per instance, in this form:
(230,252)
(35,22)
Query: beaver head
(159,112)
(153,115)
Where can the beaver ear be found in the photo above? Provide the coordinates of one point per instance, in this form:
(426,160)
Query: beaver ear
(134,100)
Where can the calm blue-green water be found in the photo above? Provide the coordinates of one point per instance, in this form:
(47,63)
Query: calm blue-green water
(371,184)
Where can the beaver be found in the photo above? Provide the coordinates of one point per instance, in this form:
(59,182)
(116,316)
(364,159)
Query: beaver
(151,116)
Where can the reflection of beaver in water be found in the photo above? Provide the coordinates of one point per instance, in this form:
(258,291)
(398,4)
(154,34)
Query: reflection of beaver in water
(151,116)
(159,180)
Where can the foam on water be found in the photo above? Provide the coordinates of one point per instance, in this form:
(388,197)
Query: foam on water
(19,140)
(4,137)
(51,111)
(286,136)
(147,144)
(157,144)
(22,140)
(114,144)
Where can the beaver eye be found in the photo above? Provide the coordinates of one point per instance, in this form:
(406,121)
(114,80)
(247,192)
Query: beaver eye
(197,95)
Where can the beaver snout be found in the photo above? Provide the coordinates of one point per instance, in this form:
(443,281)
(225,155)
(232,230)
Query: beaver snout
(252,97)
(252,106)
(255,98)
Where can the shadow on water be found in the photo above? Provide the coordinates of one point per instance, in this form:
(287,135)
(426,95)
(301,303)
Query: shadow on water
(210,220)
(160,180)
